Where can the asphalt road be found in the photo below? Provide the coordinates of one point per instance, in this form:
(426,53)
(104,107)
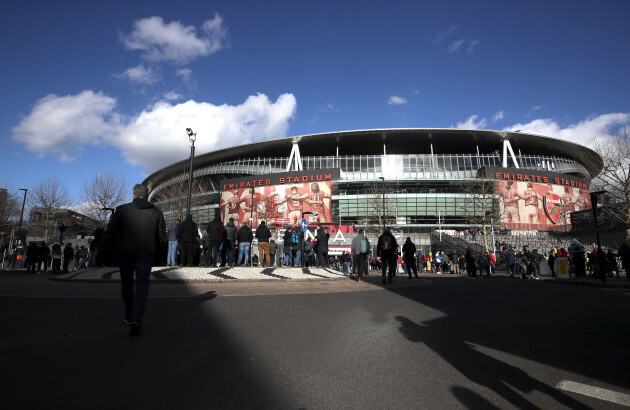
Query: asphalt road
(444,343)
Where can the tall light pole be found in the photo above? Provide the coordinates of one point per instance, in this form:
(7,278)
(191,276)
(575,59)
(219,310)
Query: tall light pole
(192,136)
(22,213)
(20,226)
(600,254)
(383,207)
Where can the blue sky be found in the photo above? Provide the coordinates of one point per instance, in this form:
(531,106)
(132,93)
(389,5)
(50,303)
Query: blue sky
(97,86)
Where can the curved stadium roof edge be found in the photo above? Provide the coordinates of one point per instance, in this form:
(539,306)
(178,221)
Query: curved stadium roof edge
(396,141)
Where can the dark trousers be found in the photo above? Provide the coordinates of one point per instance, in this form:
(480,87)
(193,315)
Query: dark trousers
(322,251)
(410,262)
(135,292)
(187,253)
(229,250)
(213,253)
(388,260)
(66,263)
(359,265)
(56,265)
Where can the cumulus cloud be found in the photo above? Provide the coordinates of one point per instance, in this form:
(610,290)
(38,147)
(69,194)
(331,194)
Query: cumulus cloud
(59,125)
(156,137)
(498,116)
(472,123)
(174,41)
(184,74)
(584,132)
(396,100)
(140,75)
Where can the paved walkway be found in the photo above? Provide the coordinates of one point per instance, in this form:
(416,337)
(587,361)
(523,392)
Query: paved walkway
(174,274)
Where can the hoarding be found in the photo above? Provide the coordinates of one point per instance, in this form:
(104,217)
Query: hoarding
(538,200)
(279,199)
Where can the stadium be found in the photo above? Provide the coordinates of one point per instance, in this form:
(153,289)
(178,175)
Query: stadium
(432,185)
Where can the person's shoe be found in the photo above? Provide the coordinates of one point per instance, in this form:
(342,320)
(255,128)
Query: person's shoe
(127,321)
(135,329)
(359,280)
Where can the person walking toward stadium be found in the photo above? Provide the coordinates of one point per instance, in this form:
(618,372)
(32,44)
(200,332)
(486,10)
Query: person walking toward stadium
(409,256)
(360,249)
(386,249)
(245,237)
(138,230)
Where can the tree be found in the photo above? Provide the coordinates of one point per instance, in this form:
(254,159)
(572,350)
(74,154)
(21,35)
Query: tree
(101,192)
(9,213)
(172,198)
(614,177)
(379,204)
(479,204)
(45,198)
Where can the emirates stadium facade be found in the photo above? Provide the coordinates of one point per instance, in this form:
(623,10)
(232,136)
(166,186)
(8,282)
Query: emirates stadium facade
(415,180)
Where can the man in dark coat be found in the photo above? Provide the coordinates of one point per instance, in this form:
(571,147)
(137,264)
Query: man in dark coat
(286,247)
(471,262)
(322,246)
(68,255)
(386,249)
(188,233)
(215,230)
(409,256)
(245,237)
(263,234)
(231,234)
(139,231)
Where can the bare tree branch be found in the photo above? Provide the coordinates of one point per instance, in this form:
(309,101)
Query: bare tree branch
(104,191)
(46,197)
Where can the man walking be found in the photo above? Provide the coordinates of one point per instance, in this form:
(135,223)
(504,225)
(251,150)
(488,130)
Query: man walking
(173,233)
(409,254)
(263,234)
(360,249)
(386,249)
(245,237)
(188,233)
(215,230)
(138,230)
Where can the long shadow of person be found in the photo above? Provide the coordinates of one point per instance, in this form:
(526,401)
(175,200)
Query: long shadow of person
(500,377)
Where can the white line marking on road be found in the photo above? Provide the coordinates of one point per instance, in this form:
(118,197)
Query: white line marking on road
(597,392)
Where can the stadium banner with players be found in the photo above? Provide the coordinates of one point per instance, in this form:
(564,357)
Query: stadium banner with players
(538,200)
(280,198)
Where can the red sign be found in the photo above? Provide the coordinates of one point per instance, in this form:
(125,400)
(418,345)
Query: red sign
(553,207)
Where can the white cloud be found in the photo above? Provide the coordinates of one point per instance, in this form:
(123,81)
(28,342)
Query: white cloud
(534,109)
(444,35)
(472,123)
(156,137)
(174,41)
(456,45)
(498,116)
(582,133)
(60,125)
(396,100)
(172,96)
(140,75)
(184,74)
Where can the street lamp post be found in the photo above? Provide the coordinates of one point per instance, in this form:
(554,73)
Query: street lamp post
(600,254)
(192,136)
(20,225)
(383,207)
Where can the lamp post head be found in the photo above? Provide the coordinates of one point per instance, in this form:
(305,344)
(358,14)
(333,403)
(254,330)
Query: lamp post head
(192,136)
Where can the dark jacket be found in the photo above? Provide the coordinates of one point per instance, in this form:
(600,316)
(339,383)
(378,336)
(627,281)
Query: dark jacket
(215,229)
(231,232)
(297,246)
(286,239)
(136,227)
(409,249)
(68,252)
(188,230)
(379,246)
(173,231)
(322,239)
(263,233)
(245,234)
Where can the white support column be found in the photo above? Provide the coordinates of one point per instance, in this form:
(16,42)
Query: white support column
(295,158)
(508,147)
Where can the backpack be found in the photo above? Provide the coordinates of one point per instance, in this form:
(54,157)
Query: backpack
(295,238)
(386,243)
(365,245)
